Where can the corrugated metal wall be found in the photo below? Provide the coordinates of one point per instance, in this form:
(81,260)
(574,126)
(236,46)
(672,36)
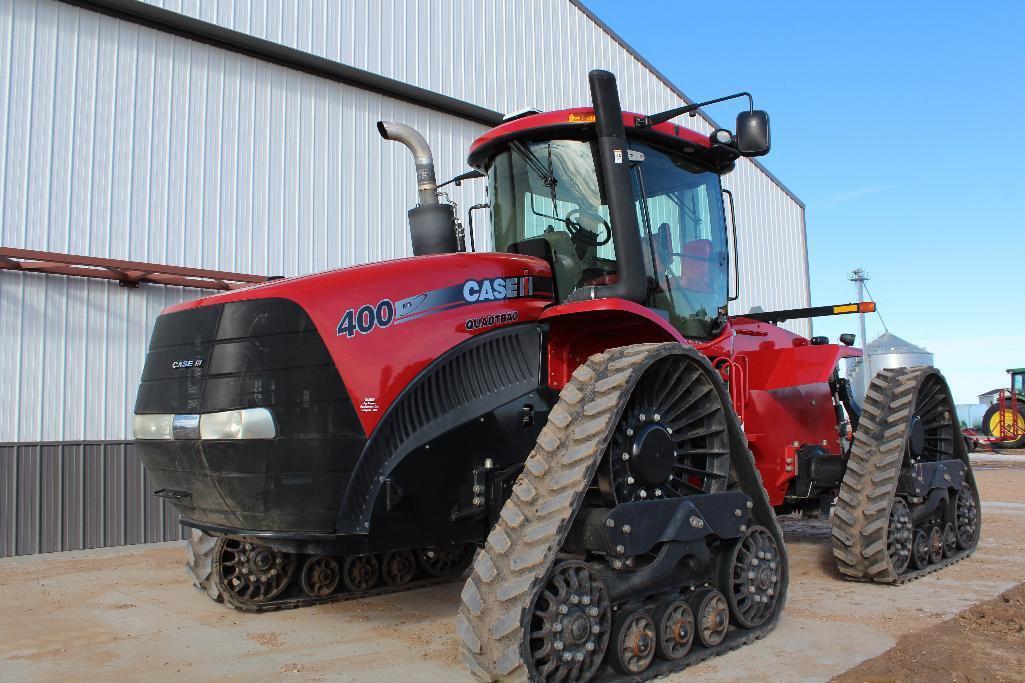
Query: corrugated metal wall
(70,496)
(123,141)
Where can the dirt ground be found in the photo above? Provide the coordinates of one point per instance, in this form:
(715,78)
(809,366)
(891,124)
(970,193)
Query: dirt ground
(129,613)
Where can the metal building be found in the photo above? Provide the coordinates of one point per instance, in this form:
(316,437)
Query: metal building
(886,351)
(238,135)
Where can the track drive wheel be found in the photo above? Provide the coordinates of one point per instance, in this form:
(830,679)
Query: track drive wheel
(200,560)
(908,420)
(615,403)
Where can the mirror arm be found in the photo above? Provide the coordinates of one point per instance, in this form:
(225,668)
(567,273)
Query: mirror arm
(654,119)
(736,251)
(469,221)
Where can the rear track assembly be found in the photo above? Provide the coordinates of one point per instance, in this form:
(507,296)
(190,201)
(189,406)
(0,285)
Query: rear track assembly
(908,504)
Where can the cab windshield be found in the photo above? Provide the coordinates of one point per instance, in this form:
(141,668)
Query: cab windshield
(547,201)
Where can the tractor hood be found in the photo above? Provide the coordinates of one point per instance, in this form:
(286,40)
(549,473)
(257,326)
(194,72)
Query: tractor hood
(382,324)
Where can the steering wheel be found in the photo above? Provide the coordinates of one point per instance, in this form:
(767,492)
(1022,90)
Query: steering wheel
(588,228)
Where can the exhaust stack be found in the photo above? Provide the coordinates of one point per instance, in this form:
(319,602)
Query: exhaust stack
(432,225)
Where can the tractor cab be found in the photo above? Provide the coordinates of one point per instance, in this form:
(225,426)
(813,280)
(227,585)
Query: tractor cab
(550,198)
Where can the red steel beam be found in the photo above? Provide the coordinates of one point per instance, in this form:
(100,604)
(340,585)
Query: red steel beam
(126,273)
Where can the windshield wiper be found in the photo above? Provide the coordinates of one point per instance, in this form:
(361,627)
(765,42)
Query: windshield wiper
(535,164)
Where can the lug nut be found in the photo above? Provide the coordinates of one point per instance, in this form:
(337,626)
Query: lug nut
(575,599)
(617,564)
(626,456)
(658,492)
(592,611)
(750,505)
(620,549)
(477,500)
(738,513)
(477,488)
(589,646)
(563,609)
(579,656)
(626,528)
(643,418)
(557,626)
(643,494)
(669,430)
(586,600)
(629,480)
(558,645)
(610,522)
(743,527)
(596,629)
(696,522)
(566,656)
(629,432)
(657,417)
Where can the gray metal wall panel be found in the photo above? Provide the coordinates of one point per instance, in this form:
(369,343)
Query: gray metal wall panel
(71,496)
(123,141)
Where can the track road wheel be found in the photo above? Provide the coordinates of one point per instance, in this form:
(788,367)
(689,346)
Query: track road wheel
(674,629)
(908,420)
(320,576)
(508,590)
(935,545)
(200,559)
(711,615)
(398,567)
(920,550)
(949,540)
(447,560)
(633,642)
(360,572)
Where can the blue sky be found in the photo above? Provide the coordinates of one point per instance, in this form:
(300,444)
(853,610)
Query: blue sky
(900,126)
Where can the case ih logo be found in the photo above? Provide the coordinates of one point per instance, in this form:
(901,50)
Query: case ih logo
(190,363)
(497,289)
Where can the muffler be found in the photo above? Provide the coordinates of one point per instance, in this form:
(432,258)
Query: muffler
(432,225)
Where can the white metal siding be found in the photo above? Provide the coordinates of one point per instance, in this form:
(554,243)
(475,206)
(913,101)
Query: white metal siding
(127,142)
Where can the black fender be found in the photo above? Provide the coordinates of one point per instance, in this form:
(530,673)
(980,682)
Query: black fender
(470,380)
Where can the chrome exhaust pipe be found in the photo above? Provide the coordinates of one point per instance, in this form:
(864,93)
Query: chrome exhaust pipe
(426,183)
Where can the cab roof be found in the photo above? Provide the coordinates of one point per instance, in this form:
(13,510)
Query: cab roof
(576,120)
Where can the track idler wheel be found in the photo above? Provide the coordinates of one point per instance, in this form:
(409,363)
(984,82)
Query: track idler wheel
(320,576)
(570,624)
(674,629)
(899,535)
(966,517)
(633,642)
(251,574)
(360,572)
(711,615)
(398,568)
(749,576)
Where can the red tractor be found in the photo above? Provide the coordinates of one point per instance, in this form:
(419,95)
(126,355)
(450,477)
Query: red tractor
(575,413)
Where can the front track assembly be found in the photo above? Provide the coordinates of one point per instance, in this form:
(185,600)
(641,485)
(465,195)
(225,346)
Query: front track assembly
(638,539)
(908,504)
(253,577)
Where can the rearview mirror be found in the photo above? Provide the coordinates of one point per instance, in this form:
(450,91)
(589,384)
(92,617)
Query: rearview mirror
(753,133)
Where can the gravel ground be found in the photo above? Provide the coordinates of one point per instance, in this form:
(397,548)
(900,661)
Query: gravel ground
(129,613)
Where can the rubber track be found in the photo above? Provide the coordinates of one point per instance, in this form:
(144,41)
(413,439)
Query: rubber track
(200,554)
(861,515)
(534,522)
